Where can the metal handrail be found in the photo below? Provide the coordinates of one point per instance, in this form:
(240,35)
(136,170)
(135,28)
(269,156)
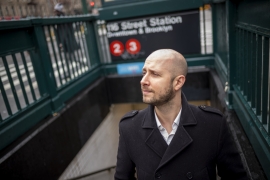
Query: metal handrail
(92,173)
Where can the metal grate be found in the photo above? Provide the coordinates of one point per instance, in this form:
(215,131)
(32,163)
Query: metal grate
(18,83)
(68,51)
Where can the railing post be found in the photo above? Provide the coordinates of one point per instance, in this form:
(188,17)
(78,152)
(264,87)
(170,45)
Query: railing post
(84,6)
(93,46)
(231,64)
(214,27)
(46,64)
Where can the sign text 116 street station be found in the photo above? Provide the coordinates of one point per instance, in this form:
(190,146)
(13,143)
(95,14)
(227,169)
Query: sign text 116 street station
(137,38)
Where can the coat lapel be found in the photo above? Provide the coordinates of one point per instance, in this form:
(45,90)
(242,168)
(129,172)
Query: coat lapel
(181,138)
(151,134)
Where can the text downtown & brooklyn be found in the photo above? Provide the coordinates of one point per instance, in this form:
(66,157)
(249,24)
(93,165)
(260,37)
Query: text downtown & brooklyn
(145,30)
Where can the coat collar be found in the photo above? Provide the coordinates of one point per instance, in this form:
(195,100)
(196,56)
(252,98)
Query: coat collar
(181,139)
(187,116)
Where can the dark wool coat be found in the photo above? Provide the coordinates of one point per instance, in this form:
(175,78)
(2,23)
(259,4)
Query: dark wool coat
(201,143)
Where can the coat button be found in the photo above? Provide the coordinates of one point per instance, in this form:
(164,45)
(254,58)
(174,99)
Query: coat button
(158,175)
(189,175)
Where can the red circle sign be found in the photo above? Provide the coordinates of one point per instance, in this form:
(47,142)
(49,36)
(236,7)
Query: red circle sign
(116,48)
(133,46)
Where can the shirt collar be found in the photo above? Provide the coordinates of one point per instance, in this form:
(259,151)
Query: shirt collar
(175,122)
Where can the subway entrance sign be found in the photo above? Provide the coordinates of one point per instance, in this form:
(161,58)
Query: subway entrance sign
(131,39)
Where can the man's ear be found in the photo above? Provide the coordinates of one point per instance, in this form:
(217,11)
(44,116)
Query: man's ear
(179,82)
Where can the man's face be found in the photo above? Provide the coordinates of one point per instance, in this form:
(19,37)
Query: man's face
(156,84)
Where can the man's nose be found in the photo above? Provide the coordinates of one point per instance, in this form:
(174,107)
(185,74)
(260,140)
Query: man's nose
(144,80)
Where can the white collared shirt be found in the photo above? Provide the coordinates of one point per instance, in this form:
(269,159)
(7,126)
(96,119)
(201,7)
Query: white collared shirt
(168,137)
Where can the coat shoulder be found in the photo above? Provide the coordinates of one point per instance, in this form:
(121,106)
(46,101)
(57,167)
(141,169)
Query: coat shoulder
(209,109)
(129,115)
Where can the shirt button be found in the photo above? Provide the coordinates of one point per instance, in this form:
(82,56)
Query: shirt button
(189,175)
(158,175)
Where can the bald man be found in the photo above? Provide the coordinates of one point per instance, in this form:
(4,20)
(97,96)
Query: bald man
(171,139)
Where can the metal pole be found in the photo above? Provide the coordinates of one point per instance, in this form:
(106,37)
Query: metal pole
(84,7)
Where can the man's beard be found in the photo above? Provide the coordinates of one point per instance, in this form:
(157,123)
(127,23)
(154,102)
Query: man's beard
(162,99)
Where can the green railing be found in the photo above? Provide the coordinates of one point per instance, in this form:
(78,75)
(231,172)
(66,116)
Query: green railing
(68,51)
(43,63)
(251,97)
(18,83)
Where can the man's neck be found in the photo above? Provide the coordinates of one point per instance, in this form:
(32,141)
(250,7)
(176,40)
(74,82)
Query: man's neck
(167,113)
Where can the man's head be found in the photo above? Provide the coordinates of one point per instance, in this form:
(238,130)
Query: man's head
(164,74)
(58,9)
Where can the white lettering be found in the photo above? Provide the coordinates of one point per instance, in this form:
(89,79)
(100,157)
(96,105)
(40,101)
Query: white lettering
(133,25)
(167,20)
(121,33)
(148,30)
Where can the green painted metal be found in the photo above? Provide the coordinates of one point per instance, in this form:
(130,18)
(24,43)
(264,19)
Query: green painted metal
(71,56)
(221,34)
(241,59)
(265,81)
(50,98)
(117,2)
(238,55)
(57,103)
(84,6)
(4,95)
(83,82)
(246,71)
(254,57)
(249,63)
(254,29)
(221,68)
(20,79)
(203,60)
(78,29)
(68,19)
(28,77)
(92,44)
(214,26)
(251,89)
(54,51)
(79,26)
(253,69)
(146,8)
(231,63)
(244,64)
(254,12)
(35,59)
(65,60)
(15,24)
(258,75)
(14,91)
(11,129)
(13,35)
(220,40)
(255,131)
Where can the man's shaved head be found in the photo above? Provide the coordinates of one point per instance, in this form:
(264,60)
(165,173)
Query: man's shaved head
(173,60)
(164,74)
